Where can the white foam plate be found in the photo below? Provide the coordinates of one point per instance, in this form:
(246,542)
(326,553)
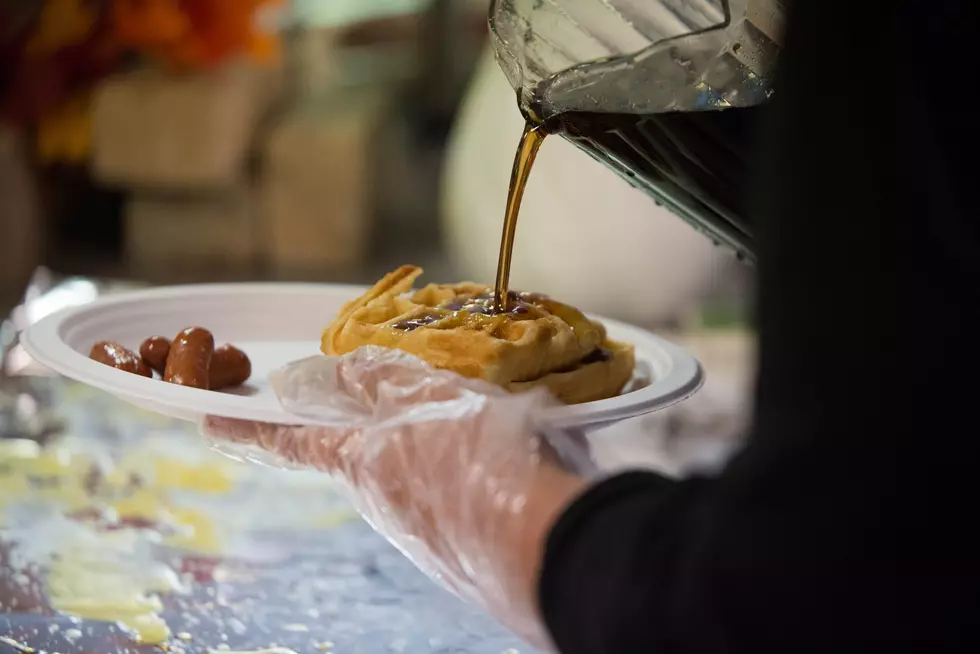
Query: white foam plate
(275,324)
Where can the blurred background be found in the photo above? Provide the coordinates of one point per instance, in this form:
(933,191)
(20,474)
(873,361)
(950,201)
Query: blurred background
(174,141)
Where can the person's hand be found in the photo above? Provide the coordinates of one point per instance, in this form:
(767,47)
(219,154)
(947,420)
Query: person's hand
(449,469)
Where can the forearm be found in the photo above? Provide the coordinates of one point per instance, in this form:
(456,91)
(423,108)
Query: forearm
(592,585)
(787,551)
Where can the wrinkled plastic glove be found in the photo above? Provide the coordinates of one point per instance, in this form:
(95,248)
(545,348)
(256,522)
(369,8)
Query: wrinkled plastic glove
(455,472)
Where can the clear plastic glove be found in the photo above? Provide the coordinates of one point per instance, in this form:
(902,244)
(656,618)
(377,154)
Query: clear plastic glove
(455,472)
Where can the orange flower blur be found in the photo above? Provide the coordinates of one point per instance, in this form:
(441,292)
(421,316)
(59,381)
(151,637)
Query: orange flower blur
(194,33)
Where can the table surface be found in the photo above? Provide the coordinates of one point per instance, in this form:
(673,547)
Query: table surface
(258,557)
(122,504)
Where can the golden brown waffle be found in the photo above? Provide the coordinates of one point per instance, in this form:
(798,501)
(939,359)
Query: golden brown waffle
(539,341)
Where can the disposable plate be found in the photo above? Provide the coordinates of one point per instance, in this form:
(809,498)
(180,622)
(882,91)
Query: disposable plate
(276,323)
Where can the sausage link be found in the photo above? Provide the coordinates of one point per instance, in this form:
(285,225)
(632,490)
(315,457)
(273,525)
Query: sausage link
(190,356)
(118,357)
(155,351)
(229,367)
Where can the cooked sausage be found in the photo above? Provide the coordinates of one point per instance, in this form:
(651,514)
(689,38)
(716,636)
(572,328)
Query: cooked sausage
(229,367)
(155,351)
(189,361)
(116,356)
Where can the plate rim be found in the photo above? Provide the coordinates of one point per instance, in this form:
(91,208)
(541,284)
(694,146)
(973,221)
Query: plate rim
(685,377)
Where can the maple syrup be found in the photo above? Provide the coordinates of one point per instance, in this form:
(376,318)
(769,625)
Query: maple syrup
(527,151)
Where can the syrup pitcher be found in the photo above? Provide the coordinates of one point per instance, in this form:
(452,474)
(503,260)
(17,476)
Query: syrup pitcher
(664,92)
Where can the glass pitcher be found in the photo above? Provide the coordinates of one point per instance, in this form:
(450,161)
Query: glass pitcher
(665,92)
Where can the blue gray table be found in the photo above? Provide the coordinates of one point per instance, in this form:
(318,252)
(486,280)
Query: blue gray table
(309,589)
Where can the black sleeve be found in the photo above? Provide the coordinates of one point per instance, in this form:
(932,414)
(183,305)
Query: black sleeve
(845,524)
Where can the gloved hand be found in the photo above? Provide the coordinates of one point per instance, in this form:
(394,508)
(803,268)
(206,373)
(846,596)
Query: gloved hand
(453,471)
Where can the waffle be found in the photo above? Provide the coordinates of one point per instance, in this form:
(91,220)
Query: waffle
(537,342)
